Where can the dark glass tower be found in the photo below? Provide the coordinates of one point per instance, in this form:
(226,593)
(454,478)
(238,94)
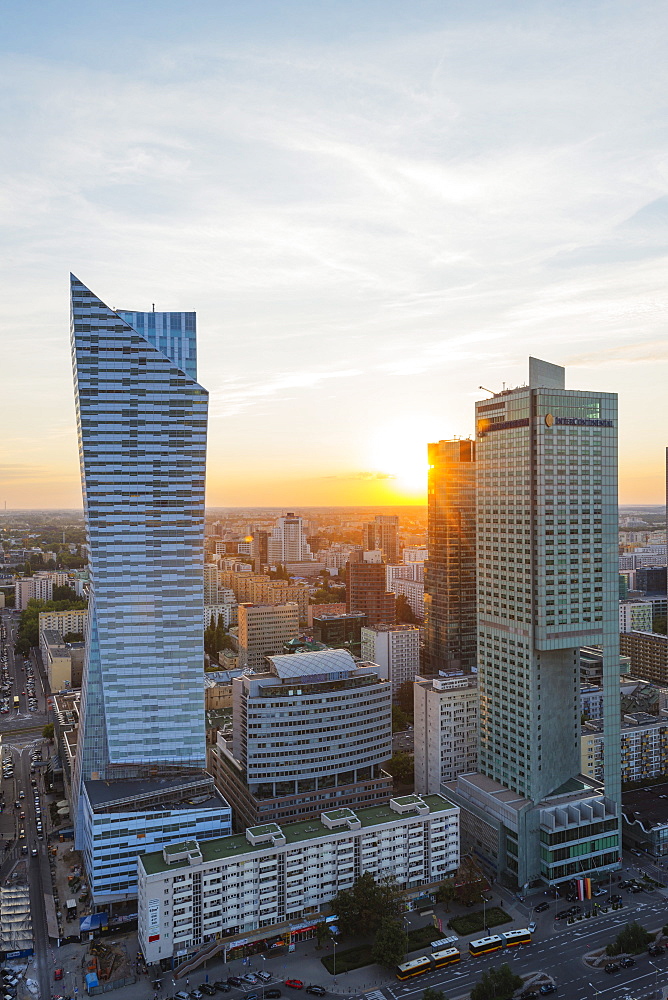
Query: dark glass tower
(450,571)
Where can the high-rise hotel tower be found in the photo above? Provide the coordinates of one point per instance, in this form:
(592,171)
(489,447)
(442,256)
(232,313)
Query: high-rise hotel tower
(141,419)
(546,516)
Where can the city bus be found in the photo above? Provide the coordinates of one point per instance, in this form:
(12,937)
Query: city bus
(484,945)
(414,968)
(512,938)
(449,956)
(428,963)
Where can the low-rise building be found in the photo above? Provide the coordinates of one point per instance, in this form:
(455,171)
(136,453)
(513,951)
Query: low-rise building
(591,701)
(445,729)
(194,893)
(645,820)
(62,661)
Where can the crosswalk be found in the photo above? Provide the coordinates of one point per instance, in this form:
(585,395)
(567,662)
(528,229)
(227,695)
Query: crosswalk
(375,995)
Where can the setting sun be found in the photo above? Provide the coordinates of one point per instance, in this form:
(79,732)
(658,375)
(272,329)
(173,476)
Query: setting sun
(399,449)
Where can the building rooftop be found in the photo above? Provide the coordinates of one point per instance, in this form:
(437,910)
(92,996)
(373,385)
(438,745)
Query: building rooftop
(325,661)
(648,805)
(223,848)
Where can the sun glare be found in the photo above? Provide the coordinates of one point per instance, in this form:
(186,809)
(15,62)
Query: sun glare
(399,449)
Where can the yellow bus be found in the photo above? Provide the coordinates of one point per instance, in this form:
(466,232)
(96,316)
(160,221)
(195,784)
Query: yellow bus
(484,945)
(512,938)
(449,956)
(414,968)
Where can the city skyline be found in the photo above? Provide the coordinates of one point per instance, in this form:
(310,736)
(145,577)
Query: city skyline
(372,210)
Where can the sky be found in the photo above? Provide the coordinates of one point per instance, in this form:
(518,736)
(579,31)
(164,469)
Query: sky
(374,207)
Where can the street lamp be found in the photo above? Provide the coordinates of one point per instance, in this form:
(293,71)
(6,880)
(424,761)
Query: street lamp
(334,945)
(656,978)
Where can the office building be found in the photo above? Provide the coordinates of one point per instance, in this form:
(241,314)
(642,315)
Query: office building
(366,593)
(287,542)
(651,580)
(310,732)
(643,744)
(445,729)
(140,760)
(648,655)
(547,583)
(264,629)
(339,631)
(268,878)
(645,820)
(450,571)
(396,651)
(635,616)
(382,535)
(591,702)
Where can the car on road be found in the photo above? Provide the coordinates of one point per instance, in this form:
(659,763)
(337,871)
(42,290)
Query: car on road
(532,927)
(24,849)
(252,996)
(530,993)
(57,974)
(33,852)
(625,883)
(627,962)
(296,984)
(563,915)
(611,968)
(635,851)
(272,994)
(542,907)
(316,991)
(635,888)
(547,988)
(655,950)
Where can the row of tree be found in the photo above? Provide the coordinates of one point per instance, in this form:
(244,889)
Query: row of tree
(216,638)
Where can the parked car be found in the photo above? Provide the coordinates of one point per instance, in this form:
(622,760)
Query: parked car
(272,994)
(264,976)
(208,989)
(655,950)
(222,987)
(250,977)
(234,981)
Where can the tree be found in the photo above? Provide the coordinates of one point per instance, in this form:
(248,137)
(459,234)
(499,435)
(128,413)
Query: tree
(431,994)
(405,698)
(323,932)
(497,984)
(64,593)
(389,946)
(73,637)
(405,615)
(447,893)
(470,881)
(28,631)
(400,766)
(362,908)
(631,940)
(659,624)
(399,719)
(47,732)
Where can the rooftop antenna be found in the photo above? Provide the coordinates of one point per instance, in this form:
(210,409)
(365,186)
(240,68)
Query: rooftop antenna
(153,304)
(490,391)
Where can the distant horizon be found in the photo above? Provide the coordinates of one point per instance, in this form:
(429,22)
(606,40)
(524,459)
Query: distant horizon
(298,507)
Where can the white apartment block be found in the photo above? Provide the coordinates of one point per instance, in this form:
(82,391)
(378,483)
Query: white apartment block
(32,588)
(396,651)
(264,629)
(418,554)
(644,747)
(413,591)
(226,612)
(635,616)
(191,894)
(445,729)
(287,542)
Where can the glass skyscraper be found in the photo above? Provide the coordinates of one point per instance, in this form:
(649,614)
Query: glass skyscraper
(450,570)
(142,420)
